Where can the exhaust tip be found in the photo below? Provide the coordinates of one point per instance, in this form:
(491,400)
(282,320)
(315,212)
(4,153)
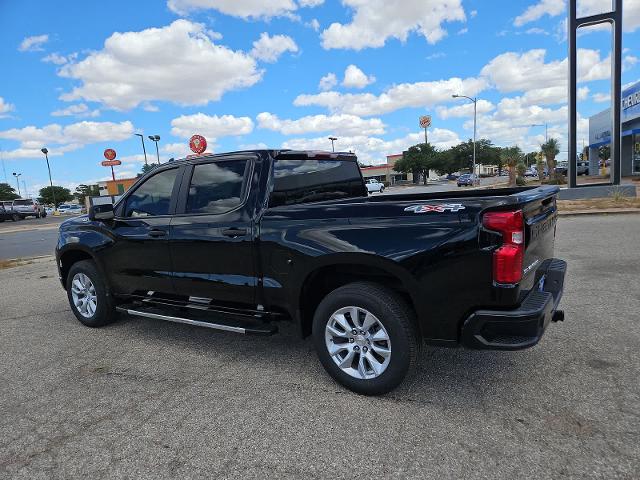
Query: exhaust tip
(558,316)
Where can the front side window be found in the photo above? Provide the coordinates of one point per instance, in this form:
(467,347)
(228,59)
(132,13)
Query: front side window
(216,187)
(153,197)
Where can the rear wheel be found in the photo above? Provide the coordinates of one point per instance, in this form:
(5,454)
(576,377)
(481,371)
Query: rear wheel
(88,295)
(366,338)
(15,217)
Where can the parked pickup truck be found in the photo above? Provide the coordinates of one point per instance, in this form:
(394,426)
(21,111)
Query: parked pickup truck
(244,240)
(374,185)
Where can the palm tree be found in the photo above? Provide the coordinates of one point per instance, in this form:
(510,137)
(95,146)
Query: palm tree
(550,149)
(511,156)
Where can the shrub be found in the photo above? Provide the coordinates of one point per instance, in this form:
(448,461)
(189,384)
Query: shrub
(520,181)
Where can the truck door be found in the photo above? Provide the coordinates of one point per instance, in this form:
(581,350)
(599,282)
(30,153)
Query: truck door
(139,258)
(211,239)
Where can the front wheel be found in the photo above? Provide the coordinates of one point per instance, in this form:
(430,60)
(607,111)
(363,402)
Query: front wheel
(88,295)
(15,217)
(366,338)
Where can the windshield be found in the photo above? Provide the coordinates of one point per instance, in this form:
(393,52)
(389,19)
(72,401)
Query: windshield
(23,202)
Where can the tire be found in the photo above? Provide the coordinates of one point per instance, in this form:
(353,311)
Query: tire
(382,190)
(15,217)
(104,312)
(394,318)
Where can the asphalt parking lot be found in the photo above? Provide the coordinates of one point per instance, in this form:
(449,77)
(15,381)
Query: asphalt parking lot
(146,399)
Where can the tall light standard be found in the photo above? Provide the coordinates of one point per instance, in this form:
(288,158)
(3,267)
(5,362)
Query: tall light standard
(17,175)
(156,138)
(333,139)
(53,193)
(475,123)
(546,129)
(144,150)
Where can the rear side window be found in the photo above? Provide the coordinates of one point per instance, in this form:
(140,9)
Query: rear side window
(217,187)
(302,181)
(153,197)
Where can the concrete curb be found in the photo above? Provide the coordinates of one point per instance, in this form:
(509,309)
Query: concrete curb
(612,211)
(30,229)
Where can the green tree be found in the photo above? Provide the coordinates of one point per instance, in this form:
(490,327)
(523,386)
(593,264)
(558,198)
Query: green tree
(550,149)
(62,195)
(147,167)
(510,157)
(7,192)
(486,154)
(540,165)
(418,160)
(83,191)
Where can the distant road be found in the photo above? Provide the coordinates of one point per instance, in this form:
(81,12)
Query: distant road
(441,187)
(30,237)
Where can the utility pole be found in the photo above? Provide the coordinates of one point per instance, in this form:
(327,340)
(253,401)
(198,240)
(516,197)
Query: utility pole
(144,150)
(17,175)
(475,128)
(156,138)
(333,139)
(53,193)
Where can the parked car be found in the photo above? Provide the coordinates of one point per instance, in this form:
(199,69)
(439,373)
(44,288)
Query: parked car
(452,176)
(582,168)
(529,172)
(242,241)
(29,207)
(374,185)
(63,209)
(466,179)
(75,210)
(9,214)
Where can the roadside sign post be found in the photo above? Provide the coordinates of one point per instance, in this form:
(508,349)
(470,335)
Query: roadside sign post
(425,122)
(198,144)
(110,155)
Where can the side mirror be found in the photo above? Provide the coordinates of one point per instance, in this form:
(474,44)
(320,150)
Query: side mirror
(101,212)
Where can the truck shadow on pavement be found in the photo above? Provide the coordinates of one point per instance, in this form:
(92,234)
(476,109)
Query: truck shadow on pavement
(443,374)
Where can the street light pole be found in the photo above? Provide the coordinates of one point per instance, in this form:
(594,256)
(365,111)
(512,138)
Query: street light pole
(475,128)
(144,150)
(17,175)
(156,138)
(53,193)
(333,139)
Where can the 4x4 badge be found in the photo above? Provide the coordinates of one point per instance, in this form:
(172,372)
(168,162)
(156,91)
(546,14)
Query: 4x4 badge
(444,207)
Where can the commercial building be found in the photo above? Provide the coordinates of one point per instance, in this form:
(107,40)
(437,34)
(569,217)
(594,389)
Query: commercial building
(600,127)
(115,187)
(385,173)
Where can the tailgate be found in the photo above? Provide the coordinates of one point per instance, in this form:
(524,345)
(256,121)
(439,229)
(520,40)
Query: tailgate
(540,216)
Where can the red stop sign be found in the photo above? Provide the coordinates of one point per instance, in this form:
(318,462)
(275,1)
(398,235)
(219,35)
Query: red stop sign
(109,154)
(198,144)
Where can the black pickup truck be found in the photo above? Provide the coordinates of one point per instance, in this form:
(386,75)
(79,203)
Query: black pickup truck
(243,240)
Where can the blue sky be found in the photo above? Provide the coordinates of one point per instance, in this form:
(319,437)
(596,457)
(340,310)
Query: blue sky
(80,77)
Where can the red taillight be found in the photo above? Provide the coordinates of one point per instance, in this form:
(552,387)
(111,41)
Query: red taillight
(507,259)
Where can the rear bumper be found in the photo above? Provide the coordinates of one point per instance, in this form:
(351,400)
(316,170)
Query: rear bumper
(524,326)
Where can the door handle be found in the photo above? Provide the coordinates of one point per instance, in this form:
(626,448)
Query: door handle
(234,232)
(157,233)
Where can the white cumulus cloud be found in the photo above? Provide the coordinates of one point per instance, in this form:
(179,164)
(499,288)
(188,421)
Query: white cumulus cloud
(417,95)
(76,110)
(178,63)
(236,8)
(5,108)
(210,126)
(376,21)
(336,124)
(33,44)
(269,48)
(328,82)
(538,10)
(59,139)
(356,78)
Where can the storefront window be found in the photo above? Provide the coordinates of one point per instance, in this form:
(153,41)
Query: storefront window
(636,154)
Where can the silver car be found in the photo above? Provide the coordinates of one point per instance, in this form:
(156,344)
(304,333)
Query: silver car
(28,207)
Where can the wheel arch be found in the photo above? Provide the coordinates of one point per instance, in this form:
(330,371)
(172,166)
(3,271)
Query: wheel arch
(336,271)
(70,256)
